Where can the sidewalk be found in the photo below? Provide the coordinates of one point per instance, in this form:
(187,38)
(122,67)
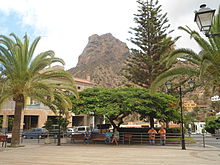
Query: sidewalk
(79,154)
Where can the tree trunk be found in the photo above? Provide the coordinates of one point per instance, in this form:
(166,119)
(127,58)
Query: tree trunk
(167,124)
(151,122)
(59,131)
(19,106)
(113,124)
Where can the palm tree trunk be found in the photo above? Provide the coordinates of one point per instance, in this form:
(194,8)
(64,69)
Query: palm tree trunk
(19,106)
(59,131)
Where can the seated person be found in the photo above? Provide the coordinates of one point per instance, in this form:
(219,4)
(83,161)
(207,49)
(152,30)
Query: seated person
(152,132)
(162,133)
(87,136)
(108,136)
(115,137)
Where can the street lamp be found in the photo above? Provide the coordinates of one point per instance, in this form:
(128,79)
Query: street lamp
(204,18)
(93,119)
(168,85)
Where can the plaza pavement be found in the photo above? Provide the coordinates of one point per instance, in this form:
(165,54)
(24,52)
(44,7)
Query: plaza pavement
(100,154)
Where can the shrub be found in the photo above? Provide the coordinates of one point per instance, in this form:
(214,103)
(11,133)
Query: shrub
(212,124)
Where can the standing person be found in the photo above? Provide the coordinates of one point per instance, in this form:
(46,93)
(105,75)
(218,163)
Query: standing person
(162,133)
(152,132)
(189,132)
(87,137)
(115,136)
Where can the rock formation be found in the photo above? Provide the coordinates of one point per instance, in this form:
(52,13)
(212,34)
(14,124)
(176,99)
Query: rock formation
(101,61)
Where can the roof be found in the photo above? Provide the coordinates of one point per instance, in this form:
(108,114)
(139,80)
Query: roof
(82,81)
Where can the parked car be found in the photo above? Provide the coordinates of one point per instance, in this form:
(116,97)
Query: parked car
(96,131)
(82,129)
(217,133)
(70,131)
(35,133)
(55,131)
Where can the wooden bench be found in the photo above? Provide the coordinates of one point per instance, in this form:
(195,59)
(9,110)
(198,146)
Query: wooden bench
(77,137)
(98,137)
(3,139)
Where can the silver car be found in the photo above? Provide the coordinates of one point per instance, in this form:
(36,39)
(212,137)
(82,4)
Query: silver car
(70,131)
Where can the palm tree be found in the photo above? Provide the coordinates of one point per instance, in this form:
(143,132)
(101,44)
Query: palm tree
(23,75)
(205,66)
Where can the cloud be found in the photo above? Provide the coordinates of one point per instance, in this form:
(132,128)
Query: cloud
(65,25)
(181,13)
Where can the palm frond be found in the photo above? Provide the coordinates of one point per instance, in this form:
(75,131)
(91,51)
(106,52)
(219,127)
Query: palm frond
(173,73)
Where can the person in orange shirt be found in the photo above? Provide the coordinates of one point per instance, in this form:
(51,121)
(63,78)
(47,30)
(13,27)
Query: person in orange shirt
(162,133)
(152,132)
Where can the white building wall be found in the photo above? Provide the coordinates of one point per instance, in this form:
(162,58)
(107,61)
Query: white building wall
(199,126)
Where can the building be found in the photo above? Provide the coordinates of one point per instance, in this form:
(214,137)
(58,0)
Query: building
(35,114)
(189,105)
(199,127)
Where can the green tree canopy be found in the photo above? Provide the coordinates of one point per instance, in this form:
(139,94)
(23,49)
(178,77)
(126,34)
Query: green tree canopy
(212,124)
(118,103)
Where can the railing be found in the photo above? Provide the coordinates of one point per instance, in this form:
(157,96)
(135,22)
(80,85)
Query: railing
(46,139)
(207,140)
(143,138)
(139,138)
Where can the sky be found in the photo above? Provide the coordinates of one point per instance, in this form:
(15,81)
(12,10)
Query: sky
(65,25)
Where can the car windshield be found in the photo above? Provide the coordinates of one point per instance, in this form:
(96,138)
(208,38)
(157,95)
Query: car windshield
(81,129)
(37,130)
(31,130)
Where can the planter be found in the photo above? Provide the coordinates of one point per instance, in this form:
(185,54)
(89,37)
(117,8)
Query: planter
(47,140)
(63,140)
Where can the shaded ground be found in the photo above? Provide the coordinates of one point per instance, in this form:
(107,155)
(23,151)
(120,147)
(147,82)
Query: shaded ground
(91,154)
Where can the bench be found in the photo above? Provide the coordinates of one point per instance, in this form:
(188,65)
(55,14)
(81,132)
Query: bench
(77,137)
(3,139)
(98,137)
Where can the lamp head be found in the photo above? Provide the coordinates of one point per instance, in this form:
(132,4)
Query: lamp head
(204,18)
(191,83)
(168,85)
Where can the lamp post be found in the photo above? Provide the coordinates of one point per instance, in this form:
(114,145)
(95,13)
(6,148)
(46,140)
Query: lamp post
(168,85)
(93,119)
(203,18)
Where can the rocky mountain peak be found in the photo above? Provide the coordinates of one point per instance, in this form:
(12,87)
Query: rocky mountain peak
(105,47)
(102,60)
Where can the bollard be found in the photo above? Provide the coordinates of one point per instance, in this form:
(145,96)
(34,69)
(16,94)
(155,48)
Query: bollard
(39,136)
(22,137)
(203,138)
(141,138)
